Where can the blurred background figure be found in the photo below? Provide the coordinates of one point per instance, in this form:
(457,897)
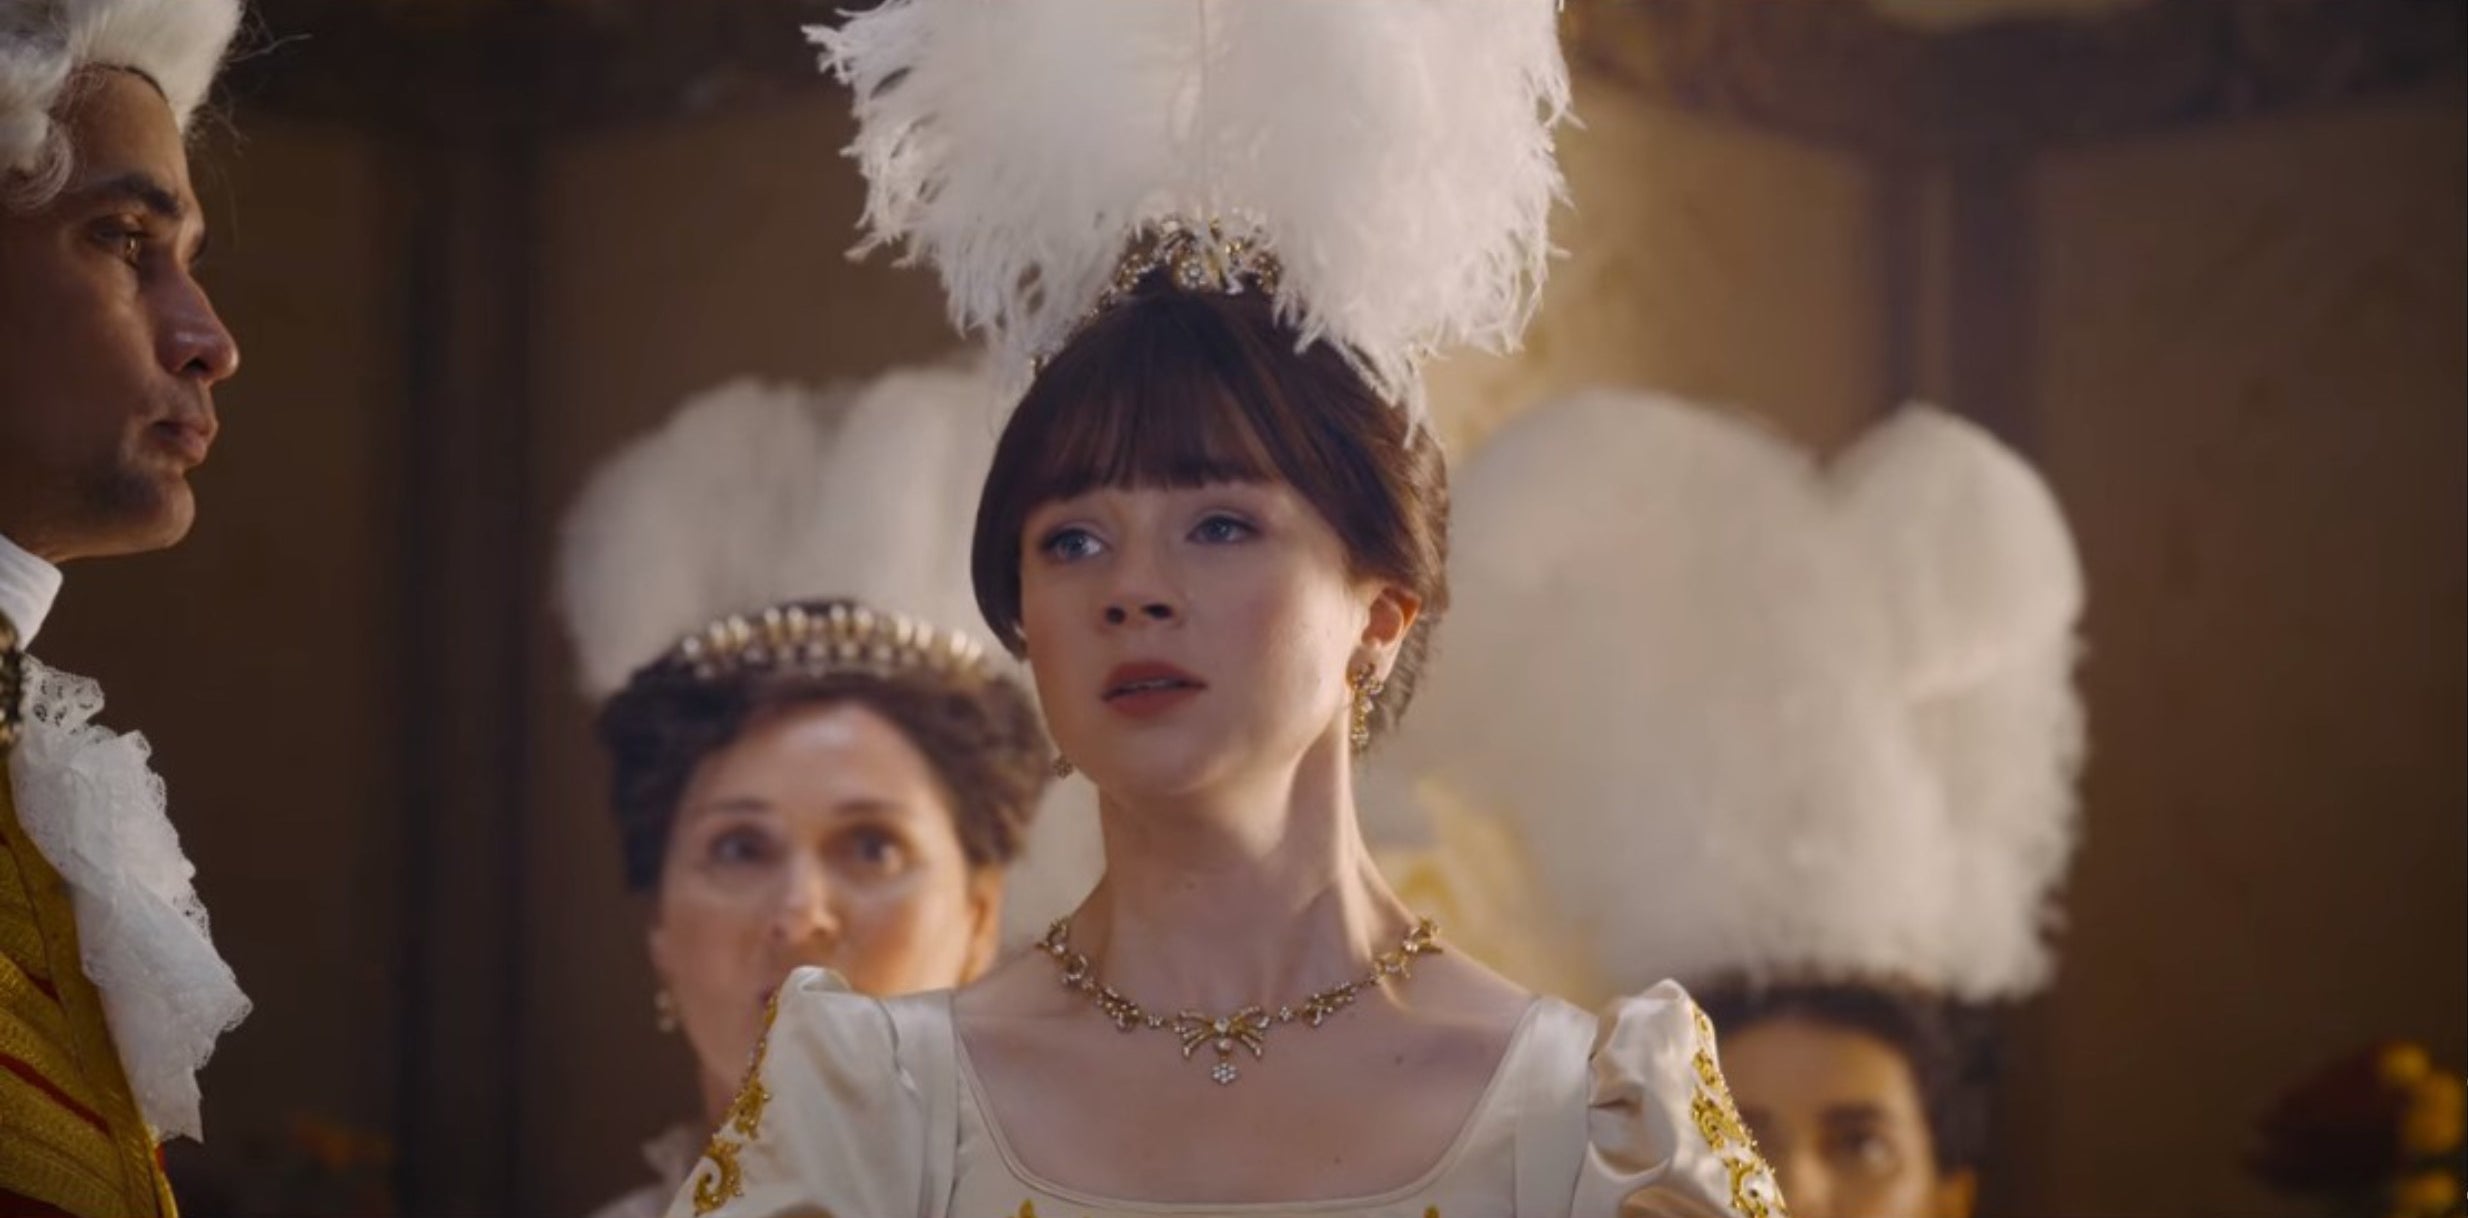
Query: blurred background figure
(1811,746)
(804,773)
(2199,262)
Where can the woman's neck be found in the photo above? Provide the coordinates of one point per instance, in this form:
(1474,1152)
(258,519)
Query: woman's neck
(1258,893)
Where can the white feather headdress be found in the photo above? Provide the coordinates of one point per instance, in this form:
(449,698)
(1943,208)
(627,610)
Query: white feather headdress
(1769,720)
(1394,155)
(179,44)
(757,494)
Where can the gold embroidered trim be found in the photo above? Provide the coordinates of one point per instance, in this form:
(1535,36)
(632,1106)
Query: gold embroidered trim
(62,1160)
(19,940)
(1754,1192)
(726,1180)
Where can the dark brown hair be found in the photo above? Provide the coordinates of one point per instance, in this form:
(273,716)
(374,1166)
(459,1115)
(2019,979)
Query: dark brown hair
(1175,389)
(982,738)
(1950,1046)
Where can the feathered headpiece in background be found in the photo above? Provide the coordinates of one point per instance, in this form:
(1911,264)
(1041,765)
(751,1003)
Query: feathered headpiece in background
(1394,157)
(754,495)
(1752,717)
(179,44)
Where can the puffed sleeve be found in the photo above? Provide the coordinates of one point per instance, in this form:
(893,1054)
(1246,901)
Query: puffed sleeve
(839,1115)
(1664,1138)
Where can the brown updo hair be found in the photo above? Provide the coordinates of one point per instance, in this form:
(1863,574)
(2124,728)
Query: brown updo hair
(1950,1046)
(980,735)
(1186,389)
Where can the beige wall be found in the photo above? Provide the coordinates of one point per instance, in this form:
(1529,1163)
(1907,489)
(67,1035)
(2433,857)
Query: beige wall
(1703,259)
(2251,404)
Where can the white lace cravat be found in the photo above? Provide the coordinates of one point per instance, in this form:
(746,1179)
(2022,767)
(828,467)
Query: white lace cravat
(91,804)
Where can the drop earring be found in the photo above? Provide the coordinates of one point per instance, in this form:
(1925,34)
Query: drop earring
(1366,685)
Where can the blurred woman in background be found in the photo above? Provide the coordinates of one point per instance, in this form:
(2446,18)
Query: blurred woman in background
(812,781)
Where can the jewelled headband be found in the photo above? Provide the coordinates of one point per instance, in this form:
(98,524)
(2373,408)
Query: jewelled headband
(1197,257)
(826,640)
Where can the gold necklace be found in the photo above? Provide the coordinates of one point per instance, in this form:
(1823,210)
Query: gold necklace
(1247,1028)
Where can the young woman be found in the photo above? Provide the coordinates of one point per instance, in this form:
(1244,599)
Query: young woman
(1217,532)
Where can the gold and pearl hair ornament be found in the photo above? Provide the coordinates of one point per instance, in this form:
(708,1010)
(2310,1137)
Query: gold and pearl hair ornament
(1788,722)
(756,496)
(833,637)
(1383,172)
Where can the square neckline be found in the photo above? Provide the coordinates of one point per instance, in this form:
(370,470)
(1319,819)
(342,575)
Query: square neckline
(1494,1088)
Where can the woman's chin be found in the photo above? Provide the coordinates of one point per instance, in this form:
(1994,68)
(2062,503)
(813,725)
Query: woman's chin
(1163,773)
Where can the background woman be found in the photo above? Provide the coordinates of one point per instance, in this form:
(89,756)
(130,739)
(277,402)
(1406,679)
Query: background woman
(1806,737)
(812,782)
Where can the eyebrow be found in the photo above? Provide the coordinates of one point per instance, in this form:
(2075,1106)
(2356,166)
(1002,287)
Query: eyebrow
(144,189)
(734,803)
(138,186)
(1853,1114)
(846,808)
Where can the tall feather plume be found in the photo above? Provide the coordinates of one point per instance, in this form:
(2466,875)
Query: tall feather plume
(1749,716)
(1396,156)
(1971,555)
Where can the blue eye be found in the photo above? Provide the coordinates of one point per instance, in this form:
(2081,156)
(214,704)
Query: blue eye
(1223,530)
(1070,544)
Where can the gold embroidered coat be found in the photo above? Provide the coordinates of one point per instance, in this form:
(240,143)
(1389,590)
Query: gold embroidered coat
(71,1139)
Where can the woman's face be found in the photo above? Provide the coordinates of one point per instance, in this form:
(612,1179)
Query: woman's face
(1186,637)
(1839,1117)
(818,836)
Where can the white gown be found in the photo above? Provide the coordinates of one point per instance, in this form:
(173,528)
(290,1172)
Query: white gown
(861,1107)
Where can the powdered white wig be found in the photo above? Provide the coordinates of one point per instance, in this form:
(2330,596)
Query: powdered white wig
(1395,156)
(178,44)
(757,494)
(1752,717)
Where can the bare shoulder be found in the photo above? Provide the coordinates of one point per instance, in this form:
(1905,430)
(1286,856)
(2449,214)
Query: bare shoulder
(1457,989)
